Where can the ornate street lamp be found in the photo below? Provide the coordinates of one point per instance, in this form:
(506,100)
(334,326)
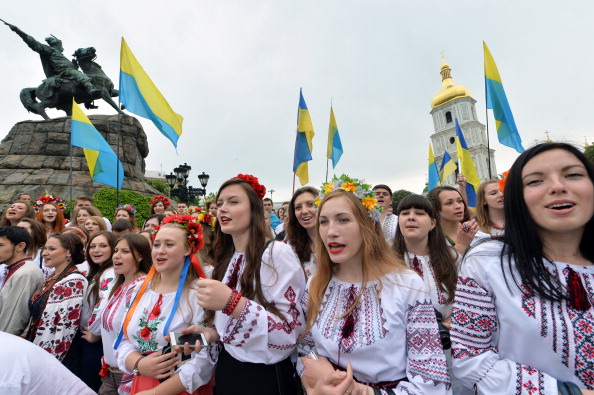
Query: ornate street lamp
(203,178)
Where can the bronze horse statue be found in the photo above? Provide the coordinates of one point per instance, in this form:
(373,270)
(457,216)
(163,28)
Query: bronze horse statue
(58,93)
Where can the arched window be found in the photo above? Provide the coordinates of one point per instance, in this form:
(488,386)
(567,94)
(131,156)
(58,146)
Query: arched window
(448,117)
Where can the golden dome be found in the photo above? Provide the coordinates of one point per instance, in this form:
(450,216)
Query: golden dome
(449,90)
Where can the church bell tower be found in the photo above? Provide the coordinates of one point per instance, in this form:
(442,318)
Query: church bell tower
(451,102)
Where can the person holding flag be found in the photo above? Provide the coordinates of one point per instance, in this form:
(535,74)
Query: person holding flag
(470,187)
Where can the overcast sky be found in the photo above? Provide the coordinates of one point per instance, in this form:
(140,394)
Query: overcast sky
(233,70)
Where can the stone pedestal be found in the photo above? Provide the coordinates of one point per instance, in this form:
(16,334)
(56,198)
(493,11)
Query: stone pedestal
(35,157)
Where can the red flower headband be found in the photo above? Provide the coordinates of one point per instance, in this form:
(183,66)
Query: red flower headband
(253,181)
(49,199)
(162,199)
(190,225)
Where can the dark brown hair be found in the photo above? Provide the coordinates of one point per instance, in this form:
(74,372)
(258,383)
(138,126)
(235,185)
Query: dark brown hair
(95,271)
(224,249)
(140,248)
(30,213)
(38,235)
(297,235)
(442,256)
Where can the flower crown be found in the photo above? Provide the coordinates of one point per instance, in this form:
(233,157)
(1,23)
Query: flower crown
(253,181)
(126,207)
(358,187)
(162,199)
(190,225)
(207,219)
(194,209)
(49,199)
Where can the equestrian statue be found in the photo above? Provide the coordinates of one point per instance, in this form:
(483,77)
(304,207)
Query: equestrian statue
(64,80)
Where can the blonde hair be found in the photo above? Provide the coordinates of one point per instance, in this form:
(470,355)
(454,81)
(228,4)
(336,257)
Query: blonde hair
(482,210)
(377,260)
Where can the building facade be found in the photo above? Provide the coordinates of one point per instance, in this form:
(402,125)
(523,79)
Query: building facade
(451,102)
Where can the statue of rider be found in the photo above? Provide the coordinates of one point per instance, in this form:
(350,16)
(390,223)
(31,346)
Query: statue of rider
(56,66)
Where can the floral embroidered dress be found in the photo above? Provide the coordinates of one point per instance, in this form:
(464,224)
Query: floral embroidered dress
(106,282)
(145,333)
(112,318)
(59,320)
(259,336)
(507,342)
(390,337)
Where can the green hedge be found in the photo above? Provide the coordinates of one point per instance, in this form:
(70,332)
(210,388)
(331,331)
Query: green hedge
(105,200)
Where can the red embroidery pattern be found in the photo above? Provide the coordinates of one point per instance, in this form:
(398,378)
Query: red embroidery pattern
(529,380)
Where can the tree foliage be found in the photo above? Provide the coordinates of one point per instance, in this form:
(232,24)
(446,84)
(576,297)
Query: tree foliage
(589,152)
(105,201)
(159,185)
(398,196)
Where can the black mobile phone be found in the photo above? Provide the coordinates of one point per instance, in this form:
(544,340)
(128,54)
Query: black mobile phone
(178,339)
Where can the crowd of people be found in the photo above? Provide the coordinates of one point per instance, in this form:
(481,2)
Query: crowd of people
(338,291)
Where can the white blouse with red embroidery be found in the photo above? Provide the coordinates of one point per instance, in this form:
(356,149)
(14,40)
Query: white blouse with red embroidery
(507,341)
(61,317)
(390,335)
(258,336)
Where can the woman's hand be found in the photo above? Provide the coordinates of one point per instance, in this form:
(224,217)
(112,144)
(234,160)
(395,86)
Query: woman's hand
(212,294)
(210,334)
(340,383)
(89,336)
(157,365)
(465,235)
(314,370)
(461,180)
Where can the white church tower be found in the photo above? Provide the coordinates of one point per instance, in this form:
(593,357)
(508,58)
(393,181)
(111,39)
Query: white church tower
(451,102)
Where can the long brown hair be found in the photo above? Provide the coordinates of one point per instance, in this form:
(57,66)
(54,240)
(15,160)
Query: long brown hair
(30,213)
(377,258)
(224,248)
(38,235)
(58,224)
(92,211)
(296,234)
(95,270)
(482,210)
(442,256)
(140,248)
(433,196)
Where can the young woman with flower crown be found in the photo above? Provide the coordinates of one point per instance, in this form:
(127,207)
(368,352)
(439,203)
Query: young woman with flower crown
(365,307)
(523,317)
(131,262)
(302,228)
(50,212)
(166,302)
(253,296)
(159,204)
(127,212)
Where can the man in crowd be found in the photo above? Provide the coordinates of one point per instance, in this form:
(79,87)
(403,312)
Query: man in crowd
(22,278)
(388,220)
(268,207)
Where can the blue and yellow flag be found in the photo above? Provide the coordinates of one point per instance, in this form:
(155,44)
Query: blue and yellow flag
(507,132)
(102,161)
(303,142)
(467,167)
(141,97)
(334,151)
(448,166)
(432,173)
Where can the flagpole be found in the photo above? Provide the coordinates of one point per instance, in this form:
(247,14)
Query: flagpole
(487,119)
(117,160)
(70,174)
(292,193)
(327,160)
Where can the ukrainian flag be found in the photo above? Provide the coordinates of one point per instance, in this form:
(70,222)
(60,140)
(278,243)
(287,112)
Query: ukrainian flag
(507,132)
(334,150)
(432,174)
(141,97)
(448,166)
(104,165)
(467,167)
(303,142)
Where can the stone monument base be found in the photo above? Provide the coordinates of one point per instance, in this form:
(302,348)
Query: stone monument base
(36,156)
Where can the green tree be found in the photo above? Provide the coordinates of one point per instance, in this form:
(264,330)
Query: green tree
(398,196)
(105,201)
(589,151)
(159,185)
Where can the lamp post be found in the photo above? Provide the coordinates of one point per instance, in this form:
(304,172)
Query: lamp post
(271,192)
(203,178)
(182,173)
